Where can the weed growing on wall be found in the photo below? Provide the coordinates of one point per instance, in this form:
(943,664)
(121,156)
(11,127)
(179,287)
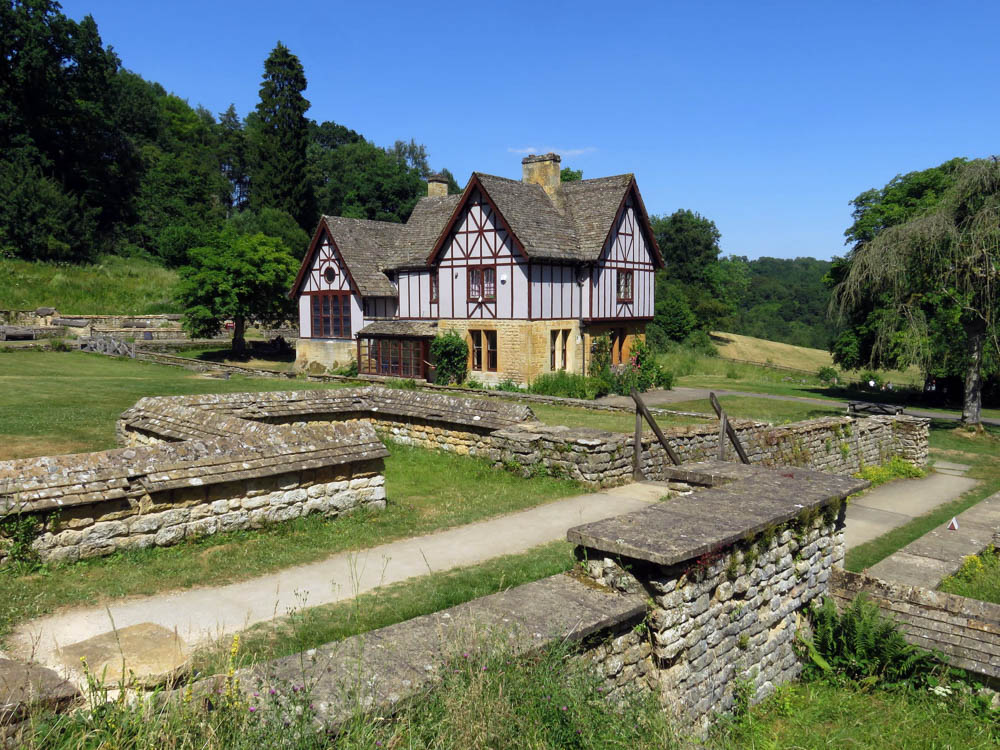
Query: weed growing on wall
(894,468)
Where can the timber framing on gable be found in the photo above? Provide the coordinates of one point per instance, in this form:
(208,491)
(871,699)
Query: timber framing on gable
(474,184)
(310,257)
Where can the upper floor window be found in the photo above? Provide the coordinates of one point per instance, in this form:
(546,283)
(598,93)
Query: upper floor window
(331,315)
(482,283)
(434,287)
(624,286)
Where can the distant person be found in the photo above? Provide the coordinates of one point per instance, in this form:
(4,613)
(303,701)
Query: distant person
(871,384)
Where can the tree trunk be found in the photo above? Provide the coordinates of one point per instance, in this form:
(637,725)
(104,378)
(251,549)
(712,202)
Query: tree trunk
(239,337)
(972,400)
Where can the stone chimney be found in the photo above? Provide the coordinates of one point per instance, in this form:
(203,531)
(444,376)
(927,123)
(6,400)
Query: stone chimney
(437,185)
(542,170)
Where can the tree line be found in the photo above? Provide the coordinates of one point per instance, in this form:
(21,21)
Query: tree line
(94,159)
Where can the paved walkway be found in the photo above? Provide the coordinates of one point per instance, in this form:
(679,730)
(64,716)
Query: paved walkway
(202,614)
(681,394)
(939,553)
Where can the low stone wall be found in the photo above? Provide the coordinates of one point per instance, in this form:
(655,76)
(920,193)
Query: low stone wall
(509,435)
(965,630)
(226,474)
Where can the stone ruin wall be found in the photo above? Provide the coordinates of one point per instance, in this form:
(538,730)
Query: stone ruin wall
(187,478)
(725,618)
(503,433)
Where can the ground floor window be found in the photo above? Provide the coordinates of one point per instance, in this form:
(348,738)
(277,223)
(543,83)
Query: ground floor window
(483,352)
(402,358)
(331,315)
(558,344)
(618,351)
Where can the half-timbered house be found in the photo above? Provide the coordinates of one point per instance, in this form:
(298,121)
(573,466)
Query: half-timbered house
(528,272)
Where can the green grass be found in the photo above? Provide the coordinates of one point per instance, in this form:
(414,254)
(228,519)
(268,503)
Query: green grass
(68,402)
(426,491)
(978,578)
(948,442)
(761,409)
(387,605)
(818,715)
(112,286)
(612,421)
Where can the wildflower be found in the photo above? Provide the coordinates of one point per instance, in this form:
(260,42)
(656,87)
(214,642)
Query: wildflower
(564,708)
(253,709)
(272,691)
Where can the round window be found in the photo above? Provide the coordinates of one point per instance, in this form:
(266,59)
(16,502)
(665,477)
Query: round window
(330,273)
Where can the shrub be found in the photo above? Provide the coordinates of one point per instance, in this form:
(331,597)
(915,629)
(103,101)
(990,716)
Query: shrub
(474,384)
(641,372)
(868,378)
(569,385)
(349,370)
(827,374)
(450,354)
(600,356)
(701,343)
(894,468)
(20,530)
(508,385)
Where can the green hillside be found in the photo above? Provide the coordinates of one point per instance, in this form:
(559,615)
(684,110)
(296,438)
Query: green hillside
(113,285)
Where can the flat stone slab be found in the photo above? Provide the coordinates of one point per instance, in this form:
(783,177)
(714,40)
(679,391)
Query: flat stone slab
(938,465)
(383,667)
(865,524)
(912,570)
(23,686)
(670,533)
(148,654)
(914,497)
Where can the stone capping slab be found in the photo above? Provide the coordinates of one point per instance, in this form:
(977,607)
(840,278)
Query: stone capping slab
(394,663)
(365,401)
(676,531)
(247,449)
(966,631)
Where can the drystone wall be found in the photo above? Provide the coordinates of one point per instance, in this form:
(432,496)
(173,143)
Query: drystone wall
(687,600)
(727,574)
(509,435)
(224,474)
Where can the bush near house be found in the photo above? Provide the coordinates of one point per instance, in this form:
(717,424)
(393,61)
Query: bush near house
(450,355)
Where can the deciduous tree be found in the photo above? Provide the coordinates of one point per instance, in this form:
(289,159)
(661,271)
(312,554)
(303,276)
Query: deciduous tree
(235,277)
(938,269)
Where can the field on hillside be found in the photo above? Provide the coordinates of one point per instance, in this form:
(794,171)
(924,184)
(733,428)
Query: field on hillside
(750,349)
(113,285)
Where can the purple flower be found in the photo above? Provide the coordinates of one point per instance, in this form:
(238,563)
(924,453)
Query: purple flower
(564,708)
(272,691)
(253,709)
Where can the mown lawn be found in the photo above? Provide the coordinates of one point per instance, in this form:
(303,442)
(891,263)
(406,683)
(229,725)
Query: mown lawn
(761,409)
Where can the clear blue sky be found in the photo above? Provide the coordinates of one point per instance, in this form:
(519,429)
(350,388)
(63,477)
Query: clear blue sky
(765,117)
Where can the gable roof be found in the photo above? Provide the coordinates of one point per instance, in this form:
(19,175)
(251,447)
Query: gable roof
(572,227)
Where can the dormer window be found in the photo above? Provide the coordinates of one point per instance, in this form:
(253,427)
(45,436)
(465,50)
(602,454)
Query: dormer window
(482,283)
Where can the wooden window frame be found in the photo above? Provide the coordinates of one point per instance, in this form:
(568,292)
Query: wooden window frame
(476,351)
(479,273)
(435,290)
(491,350)
(330,326)
(565,339)
(628,276)
(483,350)
(553,338)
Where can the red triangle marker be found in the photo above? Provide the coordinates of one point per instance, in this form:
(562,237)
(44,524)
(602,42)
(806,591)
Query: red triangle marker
(953,526)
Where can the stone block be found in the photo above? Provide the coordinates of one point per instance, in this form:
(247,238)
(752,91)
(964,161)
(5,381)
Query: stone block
(169,535)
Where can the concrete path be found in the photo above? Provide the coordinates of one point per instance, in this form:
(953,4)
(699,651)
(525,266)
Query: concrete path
(681,394)
(203,614)
(939,553)
(896,503)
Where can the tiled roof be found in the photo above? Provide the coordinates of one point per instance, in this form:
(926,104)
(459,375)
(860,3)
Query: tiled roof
(366,247)
(571,227)
(417,329)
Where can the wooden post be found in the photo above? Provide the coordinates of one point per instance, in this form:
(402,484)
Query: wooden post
(723,424)
(729,429)
(641,407)
(637,447)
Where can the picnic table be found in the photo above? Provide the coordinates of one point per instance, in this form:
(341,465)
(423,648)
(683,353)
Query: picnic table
(868,407)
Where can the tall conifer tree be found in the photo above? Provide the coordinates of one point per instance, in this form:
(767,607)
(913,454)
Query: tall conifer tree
(279,134)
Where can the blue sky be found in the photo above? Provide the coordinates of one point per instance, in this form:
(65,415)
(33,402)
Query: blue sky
(765,117)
